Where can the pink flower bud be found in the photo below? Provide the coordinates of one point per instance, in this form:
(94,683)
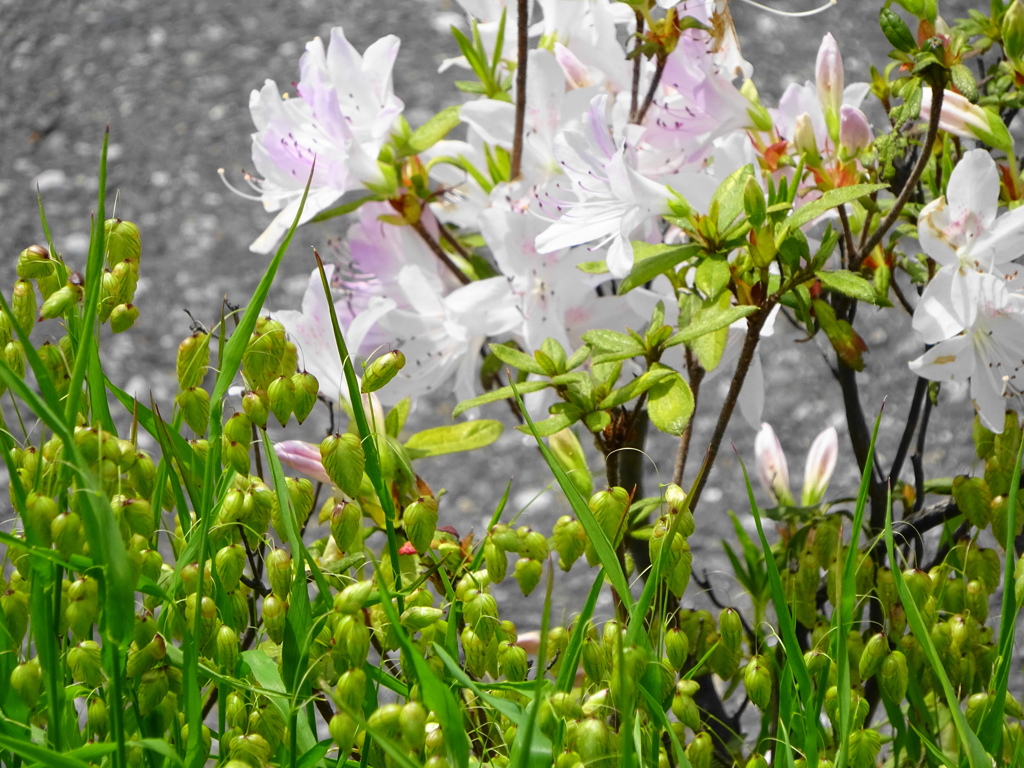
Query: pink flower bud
(854,129)
(772,469)
(959,116)
(830,80)
(576,72)
(821,462)
(302,457)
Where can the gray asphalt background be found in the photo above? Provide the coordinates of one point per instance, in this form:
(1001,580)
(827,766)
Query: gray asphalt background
(173,81)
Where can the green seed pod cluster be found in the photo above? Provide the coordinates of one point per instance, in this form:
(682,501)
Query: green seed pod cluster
(382,370)
(58,303)
(569,540)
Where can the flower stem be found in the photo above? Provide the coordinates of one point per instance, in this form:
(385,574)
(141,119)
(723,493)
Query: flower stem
(649,99)
(911,185)
(521,56)
(634,98)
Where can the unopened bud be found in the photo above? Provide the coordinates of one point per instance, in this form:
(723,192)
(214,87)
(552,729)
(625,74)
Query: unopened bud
(528,573)
(854,130)
(1012,32)
(34,262)
(830,79)
(420,522)
(195,408)
(757,678)
(23,305)
(343,460)
(122,241)
(123,317)
(685,709)
(382,370)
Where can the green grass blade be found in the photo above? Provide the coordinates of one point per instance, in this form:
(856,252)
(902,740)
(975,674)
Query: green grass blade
(973,749)
(571,656)
(436,695)
(603,546)
(787,628)
(842,619)
(991,730)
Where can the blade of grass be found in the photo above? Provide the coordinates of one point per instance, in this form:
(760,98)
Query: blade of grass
(521,754)
(229,363)
(991,730)
(436,695)
(973,749)
(366,437)
(842,619)
(787,628)
(600,540)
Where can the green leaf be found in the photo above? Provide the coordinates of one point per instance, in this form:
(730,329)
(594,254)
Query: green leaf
(435,129)
(896,31)
(712,276)
(344,208)
(709,321)
(453,438)
(636,387)
(265,672)
(498,394)
(849,284)
(670,403)
(729,197)
(550,425)
(848,344)
(593,267)
(517,359)
(649,261)
(831,199)
(710,346)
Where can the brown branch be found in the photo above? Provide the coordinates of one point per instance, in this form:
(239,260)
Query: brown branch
(655,81)
(915,176)
(695,373)
(438,251)
(634,97)
(754,324)
(521,56)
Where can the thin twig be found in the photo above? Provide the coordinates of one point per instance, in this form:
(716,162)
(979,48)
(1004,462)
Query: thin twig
(521,56)
(655,81)
(911,185)
(754,325)
(438,251)
(851,251)
(908,431)
(634,96)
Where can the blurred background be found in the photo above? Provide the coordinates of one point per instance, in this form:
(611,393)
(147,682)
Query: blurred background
(173,80)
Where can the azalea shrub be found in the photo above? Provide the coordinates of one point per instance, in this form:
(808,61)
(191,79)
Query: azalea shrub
(606,217)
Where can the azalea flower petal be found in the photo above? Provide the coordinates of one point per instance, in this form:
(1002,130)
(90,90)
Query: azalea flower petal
(953,359)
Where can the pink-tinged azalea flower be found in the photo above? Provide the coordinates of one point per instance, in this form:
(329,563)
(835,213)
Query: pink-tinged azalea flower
(821,462)
(340,118)
(978,333)
(612,198)
(854,130)
(441,336)
(303,458)
(772,470)
(959,116)
(961,228)
(549,111)
(553,297)
(586,41)
(311,331)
